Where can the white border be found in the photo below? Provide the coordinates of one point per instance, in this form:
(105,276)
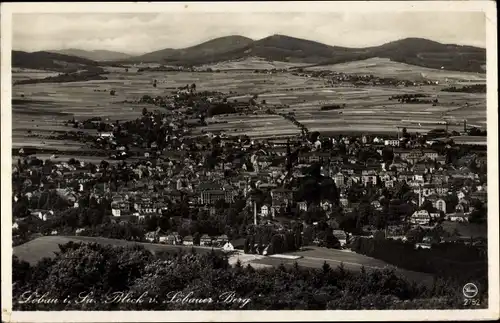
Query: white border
(7,9)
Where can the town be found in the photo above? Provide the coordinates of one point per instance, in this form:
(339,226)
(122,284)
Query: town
(158,182)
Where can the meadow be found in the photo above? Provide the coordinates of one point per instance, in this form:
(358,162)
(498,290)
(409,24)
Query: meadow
(46,246)
(384,67)
(44,107)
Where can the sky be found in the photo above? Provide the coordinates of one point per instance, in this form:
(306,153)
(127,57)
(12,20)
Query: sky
(145,32)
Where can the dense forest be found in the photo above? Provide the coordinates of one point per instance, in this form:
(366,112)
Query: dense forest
(451,260)
(95,277)
(332,107)
(87,75)
(476,88)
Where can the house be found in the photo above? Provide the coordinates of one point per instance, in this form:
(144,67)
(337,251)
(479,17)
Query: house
(462,207)
(421,217)
(222,239)
(369,177)
(205,240)
(430,154)
(435,215)
(172,239)
(440,205)
(399,167)
(339,179)
(302,206)
(442,190)
(423,245)
(281,196)
(67,194)
(392,142)
(228,246)
(376,205)
(237,244)
(152,236)
(402,153)
(119,207)
(389,184)
(458,217)
(480,195)
(418,176)
(341,236)
(43,215)
(265,210)
(188,241)
(414,157)
(441,159)
(326,205)
(106,135)
(344,202)
(209,197)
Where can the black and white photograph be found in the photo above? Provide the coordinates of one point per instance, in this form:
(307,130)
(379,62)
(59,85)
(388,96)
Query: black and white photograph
(224,158)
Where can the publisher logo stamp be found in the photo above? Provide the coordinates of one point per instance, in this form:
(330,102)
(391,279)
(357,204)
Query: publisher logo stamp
(470,290)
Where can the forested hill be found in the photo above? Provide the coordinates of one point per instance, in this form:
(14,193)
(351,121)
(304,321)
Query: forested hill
(416,51)
(51,61)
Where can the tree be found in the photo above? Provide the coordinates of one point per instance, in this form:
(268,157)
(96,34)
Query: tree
(196,238)
(427,205)
(406,135)
(331,240)
(144,111)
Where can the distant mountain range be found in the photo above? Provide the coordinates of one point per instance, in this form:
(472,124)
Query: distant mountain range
(415,51)
(95,55)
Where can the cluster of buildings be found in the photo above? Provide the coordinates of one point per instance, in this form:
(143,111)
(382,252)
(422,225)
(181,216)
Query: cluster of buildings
(206,170)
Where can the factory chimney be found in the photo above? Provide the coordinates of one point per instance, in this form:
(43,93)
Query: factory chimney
(465,125)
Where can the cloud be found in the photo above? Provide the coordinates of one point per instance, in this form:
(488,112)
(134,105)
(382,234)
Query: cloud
(145,32)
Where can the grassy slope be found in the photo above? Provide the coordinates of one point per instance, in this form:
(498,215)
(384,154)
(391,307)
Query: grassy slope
(42,247)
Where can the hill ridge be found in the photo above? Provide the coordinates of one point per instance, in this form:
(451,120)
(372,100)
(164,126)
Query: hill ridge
(277,47)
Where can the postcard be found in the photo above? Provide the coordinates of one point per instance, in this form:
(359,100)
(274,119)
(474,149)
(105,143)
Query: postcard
(249,161)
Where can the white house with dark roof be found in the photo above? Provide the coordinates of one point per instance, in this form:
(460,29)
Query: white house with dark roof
(421,217)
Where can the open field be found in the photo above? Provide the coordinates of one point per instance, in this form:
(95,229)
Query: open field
(368,109)
(251,63)
(19,74)
(315,257)
(45,107)
(384,67)
(42,247)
